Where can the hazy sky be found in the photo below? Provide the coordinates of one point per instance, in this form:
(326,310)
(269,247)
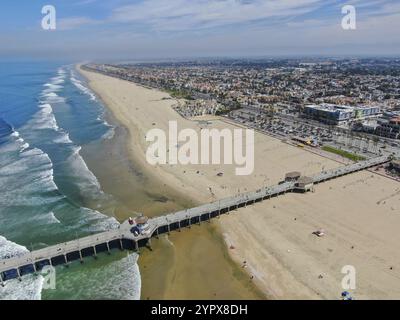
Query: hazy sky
(135,29)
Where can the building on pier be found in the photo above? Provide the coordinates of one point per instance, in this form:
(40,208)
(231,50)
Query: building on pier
(304,184)
(292,176)
(140,225)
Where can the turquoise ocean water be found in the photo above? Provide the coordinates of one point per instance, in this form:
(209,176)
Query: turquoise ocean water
(48,194)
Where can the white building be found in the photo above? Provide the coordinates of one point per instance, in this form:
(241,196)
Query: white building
(339,114)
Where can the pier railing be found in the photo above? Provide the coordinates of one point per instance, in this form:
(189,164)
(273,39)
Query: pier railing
(123,238)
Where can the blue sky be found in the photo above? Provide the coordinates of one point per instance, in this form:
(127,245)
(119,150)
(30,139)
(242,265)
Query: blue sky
(137,29)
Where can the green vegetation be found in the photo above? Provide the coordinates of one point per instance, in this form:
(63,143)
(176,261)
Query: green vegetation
(180,94)
(343,153)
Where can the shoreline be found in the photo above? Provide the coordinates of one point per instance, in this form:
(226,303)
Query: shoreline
(153,265)
(119,147)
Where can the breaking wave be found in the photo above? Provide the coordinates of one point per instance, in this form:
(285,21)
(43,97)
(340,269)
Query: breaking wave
(33,162)
(28,289)
(77,83)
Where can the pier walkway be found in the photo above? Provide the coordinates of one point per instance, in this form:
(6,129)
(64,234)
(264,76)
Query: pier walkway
(122,237)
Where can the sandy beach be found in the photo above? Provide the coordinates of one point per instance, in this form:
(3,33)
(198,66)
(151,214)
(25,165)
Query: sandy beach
(272,242)
(138,188)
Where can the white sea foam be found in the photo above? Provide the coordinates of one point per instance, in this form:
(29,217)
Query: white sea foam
(111,131)
(24,147)
(109,134)
(52,85)
(77,83)
(51,97)
(63,139)
(79,168)
(44,118)
(124,280)
(22,178)
(48,218)
(34,171)
(57,80)
(16,167)
(97,221)
(28,289)
(107,124)
(9,249)
(51,94)
(52,88)
(116,280)
(11,147)
(101,119)
(52,218)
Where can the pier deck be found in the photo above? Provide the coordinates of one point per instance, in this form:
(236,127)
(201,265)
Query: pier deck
(123,238)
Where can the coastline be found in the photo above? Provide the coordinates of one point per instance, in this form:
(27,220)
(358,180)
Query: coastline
(158,268)
(272,241)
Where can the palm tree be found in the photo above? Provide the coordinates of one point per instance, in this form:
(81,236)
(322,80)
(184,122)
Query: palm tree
(375,140)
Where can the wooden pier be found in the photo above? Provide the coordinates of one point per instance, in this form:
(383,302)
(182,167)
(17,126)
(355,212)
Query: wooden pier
(123,238)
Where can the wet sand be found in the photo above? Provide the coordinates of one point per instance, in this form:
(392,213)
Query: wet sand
(167,271)
(138,191)
(194,264)
(360,214)
(133,191)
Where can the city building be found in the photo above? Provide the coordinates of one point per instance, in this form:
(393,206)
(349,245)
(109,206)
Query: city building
(389,129)
(339,114)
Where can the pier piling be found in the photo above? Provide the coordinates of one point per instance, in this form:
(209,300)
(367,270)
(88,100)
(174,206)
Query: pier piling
(136,246)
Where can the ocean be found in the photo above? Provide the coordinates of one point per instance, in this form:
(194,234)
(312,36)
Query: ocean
(48,194)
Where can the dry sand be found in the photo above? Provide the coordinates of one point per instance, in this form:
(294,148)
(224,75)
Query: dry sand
(360,213)
(140,110)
